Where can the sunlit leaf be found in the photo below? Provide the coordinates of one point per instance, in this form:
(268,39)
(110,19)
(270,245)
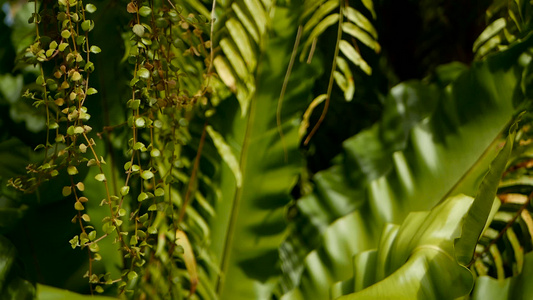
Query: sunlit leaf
(188,257)
(227,155)
(491,30)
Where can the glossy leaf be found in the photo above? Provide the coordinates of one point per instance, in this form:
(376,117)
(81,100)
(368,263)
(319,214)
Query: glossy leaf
(227,155)
(479,213)
(317,31)
(188,257)
(415,260)
(354,56)
(408,162)
(489,32)
(249,223)
(45,292)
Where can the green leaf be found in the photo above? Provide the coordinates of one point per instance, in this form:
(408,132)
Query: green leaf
(94,247)
(72,170)
(152,230)
(145,11)
(478,214)
(493,29)
(199,7)
(100,177)
(369,4)
(124,190)
(143,73)
(139,122)
(86,25)
(391,169)
(90,8)
(235,58)
(317,31)
(132,275)
(361,35)
(63,46)
(95,49)
(147,174)
(138,29)
(138,145)
(361,21)
(224,71)
(319,14)
(78,206)
(155,153)
(91,91)
(188,257)
(354,56)
(45,292)
(246,21)
(227,155)
(240,37)
(142,196)
(67,190)
(250,221)
(159,192)
(75,76)
(345,79)
(414,259)
(307,115)
(65,34)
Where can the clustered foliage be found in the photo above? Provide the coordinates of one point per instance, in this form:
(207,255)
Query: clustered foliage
(177,132)
(170,60)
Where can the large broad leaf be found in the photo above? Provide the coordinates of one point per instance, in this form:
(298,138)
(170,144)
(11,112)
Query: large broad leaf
(415,260)
(418,259)
(45,292)
(374,183)
(250,224)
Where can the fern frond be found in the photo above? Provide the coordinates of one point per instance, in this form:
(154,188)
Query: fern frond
(238,47)
(508,22)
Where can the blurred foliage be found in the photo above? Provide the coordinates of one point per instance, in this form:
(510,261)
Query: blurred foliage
(259,149)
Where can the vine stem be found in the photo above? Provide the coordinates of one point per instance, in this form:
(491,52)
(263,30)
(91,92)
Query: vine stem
(284,88)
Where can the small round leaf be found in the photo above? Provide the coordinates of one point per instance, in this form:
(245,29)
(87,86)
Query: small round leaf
(142,197)
(66,191)
(147,174)
(78,206)
(138,29)
(95,49)
(145,11)
(65,34)
(72,170)
(132,275)
(124,190)
(159,192)
(143,73)
(90,8)
(100,177)
(155,153)
(75,76)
